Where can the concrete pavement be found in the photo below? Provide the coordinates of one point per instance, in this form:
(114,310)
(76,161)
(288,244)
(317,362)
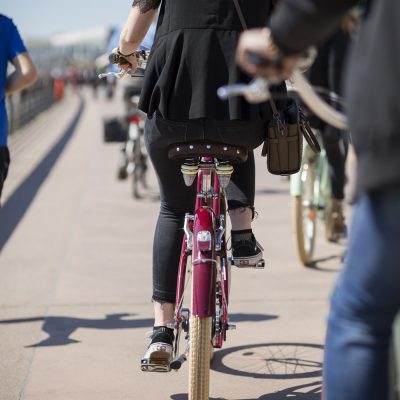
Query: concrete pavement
(75,279)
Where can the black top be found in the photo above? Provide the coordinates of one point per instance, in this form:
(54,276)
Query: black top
(372,82)
(194,54)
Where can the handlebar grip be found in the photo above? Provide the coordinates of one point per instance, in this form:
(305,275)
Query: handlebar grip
(258,61)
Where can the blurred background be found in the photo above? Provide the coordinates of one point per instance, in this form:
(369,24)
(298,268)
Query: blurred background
(66,42)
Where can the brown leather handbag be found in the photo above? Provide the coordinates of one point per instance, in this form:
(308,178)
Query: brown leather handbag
(283,145)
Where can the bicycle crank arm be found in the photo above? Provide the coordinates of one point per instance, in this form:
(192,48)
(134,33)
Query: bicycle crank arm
(177,363)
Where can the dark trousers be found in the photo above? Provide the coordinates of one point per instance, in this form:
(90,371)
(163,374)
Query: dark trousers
(178,199)
(327,72)
(4,164)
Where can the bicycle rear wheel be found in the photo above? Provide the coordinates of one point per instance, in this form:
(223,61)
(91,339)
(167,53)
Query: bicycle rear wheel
(305,215)
(199,358)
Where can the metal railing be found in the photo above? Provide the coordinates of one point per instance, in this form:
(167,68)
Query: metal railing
(26,105)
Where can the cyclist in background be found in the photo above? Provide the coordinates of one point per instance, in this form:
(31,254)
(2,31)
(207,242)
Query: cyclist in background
(327,73)
(192,56)
(12,49)
(130,87)
(366,298)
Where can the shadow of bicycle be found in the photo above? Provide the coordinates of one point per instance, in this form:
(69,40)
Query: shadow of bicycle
(307,391)
(322,264)
(271,360)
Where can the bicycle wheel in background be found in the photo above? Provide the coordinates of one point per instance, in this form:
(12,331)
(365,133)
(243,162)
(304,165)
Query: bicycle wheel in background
(305,214)
(137,168)
(199,358)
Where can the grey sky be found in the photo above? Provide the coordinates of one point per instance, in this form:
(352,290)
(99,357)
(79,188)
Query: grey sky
(42,18)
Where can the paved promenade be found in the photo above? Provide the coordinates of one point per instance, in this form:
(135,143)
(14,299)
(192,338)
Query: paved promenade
(75,279)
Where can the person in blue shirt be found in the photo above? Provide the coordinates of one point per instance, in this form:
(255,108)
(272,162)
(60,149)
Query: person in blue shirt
(12,49)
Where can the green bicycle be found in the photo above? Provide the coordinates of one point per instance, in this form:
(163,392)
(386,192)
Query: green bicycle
(311,194)
(310,188)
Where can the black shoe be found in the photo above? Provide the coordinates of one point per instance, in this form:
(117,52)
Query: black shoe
(336,228)
(246,253)
(159,354)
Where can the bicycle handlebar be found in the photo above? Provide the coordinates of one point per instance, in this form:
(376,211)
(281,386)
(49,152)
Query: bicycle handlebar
(257,91)
(321,109)
(114,58)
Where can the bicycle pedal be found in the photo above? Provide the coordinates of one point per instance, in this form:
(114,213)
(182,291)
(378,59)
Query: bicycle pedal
(154,365)
(260,264)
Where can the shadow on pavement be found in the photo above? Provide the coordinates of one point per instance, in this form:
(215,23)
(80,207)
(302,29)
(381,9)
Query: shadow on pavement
(18,203)
(314,390)
(61,328)
(318,264)
(271,360)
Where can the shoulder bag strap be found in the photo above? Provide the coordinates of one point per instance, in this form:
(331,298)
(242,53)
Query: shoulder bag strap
(244,26)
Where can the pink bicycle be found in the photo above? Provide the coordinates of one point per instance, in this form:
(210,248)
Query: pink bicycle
(203,259)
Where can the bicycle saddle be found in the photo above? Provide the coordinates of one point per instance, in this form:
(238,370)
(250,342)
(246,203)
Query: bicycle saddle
(222,151)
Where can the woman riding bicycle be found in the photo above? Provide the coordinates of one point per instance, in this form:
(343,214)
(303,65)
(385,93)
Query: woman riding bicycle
(192,56)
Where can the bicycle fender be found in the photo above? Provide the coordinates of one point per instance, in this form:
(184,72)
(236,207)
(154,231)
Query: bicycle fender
(296,184)
(204,263)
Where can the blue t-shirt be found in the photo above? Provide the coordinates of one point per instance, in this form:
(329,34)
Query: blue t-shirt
(11,45)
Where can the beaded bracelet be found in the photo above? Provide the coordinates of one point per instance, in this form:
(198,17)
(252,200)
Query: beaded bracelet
(126,55)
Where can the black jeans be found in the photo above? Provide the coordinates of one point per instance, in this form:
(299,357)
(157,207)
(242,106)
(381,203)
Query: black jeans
(327,72)
(4,164)
(178,199)
(336,145)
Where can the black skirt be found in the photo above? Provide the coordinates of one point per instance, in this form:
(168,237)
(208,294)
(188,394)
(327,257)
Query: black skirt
(194,54)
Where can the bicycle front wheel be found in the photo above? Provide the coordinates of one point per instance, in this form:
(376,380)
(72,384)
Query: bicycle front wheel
(305,215)
(199,358)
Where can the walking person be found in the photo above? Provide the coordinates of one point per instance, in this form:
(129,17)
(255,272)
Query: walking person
(12,49)
(366,298)
(192,56)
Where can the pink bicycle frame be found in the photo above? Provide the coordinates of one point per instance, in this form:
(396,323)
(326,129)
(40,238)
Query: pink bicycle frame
(206,238)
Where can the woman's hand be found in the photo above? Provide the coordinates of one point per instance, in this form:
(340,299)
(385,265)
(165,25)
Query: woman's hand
(270,63)
(127,62)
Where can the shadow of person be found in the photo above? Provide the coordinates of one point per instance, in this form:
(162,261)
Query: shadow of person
(14,209)
(60,328)
(242,317)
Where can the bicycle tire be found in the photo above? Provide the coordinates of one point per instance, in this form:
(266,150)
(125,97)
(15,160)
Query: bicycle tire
(199,358)
(305,213)
(137,170)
